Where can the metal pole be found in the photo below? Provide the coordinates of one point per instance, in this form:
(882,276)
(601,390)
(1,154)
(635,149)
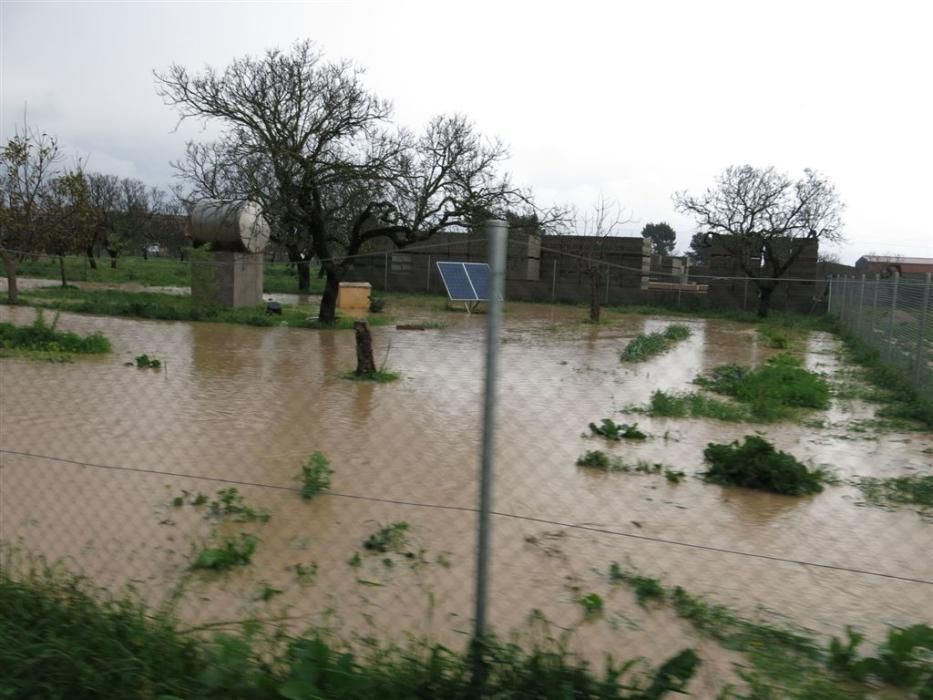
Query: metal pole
(554,282)
(921,358)
(427,284)
(608,271)
(874,309)
(861,302)
(829,301)
(744,294)
(891,320)
(385,280)
(496,232)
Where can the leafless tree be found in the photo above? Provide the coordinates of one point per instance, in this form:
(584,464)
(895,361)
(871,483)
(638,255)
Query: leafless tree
(306,139)
(28,163)
(765,220)
(605,219)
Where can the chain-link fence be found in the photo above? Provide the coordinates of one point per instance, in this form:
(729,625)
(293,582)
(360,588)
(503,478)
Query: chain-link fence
(249,476)
(893,316)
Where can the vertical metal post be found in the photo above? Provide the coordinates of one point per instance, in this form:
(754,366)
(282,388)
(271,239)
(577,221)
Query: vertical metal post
(608,271)
(891,320)
(861,303)
(385,280)
(554,282)
(921,356)
(744,294)
(496,232)
(427,284)
(829,300)
(874,309)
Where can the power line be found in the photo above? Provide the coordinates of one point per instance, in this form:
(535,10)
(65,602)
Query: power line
(469,509)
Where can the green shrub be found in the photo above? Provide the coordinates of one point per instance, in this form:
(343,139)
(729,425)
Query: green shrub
(696,406)
(146,362)
(592,604)
(756,464)
(315,476)
(390,538)
(597,459)
(611,430)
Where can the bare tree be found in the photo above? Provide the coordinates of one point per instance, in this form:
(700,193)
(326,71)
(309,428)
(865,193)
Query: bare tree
(28,163)
(605,219)
(765,220)
(304,138)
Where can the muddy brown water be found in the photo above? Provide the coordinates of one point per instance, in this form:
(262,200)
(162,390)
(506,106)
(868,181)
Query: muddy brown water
(248,405)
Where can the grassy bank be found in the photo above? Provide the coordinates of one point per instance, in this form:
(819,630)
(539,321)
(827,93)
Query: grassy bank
(61,639)
(45,341)
(154,272)
(172,307)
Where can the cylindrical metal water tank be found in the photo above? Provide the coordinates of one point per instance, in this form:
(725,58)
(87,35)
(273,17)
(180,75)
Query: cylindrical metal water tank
(233,226)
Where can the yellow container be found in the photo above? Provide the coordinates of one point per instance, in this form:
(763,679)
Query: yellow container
(354,296)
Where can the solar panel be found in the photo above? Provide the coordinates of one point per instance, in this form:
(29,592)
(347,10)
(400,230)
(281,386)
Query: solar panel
(479,276)
(457,281)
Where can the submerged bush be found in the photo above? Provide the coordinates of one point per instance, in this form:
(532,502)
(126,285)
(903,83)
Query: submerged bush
(647,345)
(756,464)
(315,476)
(611,430)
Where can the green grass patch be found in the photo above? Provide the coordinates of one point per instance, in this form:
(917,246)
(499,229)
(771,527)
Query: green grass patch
(230,505)
(230,553)
(611,430)
(597,459)
(898,490)
(146,362)
(772,390)
(156,272)
(646,588)
(60,638)
(380,376)
(592,604)
(647,345)
(904,660)
(756,464)
(695,405)
(42,337)
(171,307)
(315,476)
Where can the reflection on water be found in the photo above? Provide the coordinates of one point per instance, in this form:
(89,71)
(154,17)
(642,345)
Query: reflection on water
(250,404)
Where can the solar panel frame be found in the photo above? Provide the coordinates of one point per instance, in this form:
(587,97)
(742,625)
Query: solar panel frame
(457,281)
(479,277)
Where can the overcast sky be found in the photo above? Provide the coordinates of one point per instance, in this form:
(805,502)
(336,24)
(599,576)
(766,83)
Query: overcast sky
(632,101)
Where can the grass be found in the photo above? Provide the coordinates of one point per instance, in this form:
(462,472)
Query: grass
(171,307)
(611,430)
(315,476)
(695,405)
(231,505)
(592,604)
(379,376)
(231,552)
(155,272)
(44,338)
(60,638)
(646,346)
(146,362)
(914,490)
(390,538)
(784,662)
(597,459)
(756,464)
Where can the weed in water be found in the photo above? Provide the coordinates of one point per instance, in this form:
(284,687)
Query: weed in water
(306,573)
(230,504)
(674,477)
(596,459)
(903,660)
(647,345)
(756,464)
(379,376)
(267,593)
(611,430)
(592,604)
(315,476)
(645,587)
(914,489)
(390,538)
(231,552)
(146,362)
(355,561)
(695,405)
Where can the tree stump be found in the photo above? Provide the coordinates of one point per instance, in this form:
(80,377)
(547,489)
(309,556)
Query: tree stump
(365,364)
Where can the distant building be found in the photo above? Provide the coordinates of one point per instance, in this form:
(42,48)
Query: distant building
(888,265)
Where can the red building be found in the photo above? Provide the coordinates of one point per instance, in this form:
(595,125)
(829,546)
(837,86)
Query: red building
(887,264)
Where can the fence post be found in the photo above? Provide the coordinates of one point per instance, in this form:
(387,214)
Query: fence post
(891,320)
(921,355)
(427,284)
(874,309)
(385,273)
(861,300)
(608,272)
(496,233)
(829,300)
(744,293)
(554,281)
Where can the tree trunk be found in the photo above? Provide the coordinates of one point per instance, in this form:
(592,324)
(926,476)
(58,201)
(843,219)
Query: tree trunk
(595,287)
(113,257)
(365,364)
(9,262)
(328,312)
(90,257)
(302,267)
(764,300)
(61,269)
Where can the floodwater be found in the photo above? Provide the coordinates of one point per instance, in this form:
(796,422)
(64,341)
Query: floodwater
(248,405)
